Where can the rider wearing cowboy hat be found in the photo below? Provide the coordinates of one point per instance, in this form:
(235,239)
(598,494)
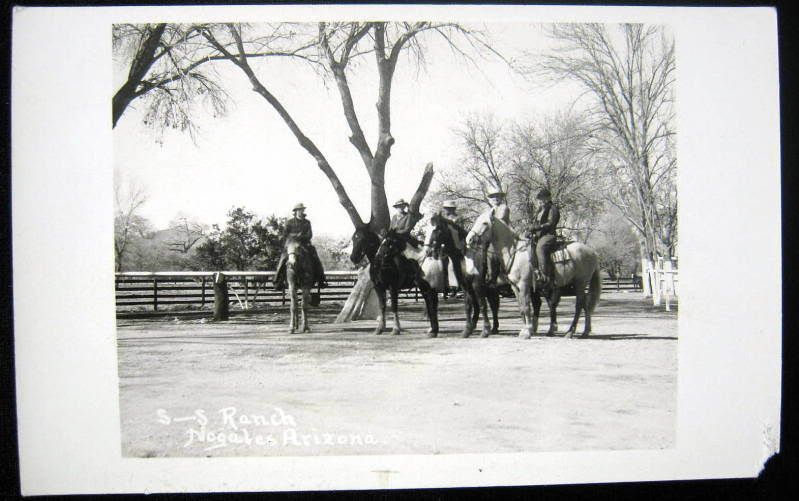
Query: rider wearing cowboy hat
(499,210)
(543,231)
(499,206)
(299,228)
(402,221)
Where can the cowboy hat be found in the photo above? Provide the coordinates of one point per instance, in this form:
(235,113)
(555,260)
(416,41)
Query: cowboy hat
(400,203)
(449,204)
(297,207)
(496,193)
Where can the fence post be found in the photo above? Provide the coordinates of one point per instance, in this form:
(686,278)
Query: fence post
(155,294)
(203,294)
(221,298)
(246,294)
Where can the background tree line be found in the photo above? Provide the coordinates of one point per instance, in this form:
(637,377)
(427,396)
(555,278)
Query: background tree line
(245,242)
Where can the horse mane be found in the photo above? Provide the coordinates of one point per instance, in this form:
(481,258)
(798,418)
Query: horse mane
(403,237)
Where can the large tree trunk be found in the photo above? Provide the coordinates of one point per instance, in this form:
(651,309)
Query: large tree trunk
(142,61)
(362,302)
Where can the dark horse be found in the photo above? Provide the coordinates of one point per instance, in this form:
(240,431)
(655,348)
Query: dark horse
(469,268)
(395,264)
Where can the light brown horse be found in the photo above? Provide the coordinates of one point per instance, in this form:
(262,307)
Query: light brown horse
(579,271)
(299,275)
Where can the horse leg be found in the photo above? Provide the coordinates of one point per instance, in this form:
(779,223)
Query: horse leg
(292,307)
(579,304)
(433,314)
(469,305)
(306,300)
(431,307)
(523,297)
(587,327)
(553,301)
(493,301)
(484,309)
(381,301)
(536,298)
(394,309)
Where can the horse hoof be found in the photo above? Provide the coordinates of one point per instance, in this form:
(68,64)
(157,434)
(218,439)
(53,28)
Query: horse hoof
(550,333)
(569,334)
(524,334)
(485,333)
(396,332)
(465,334)
(585,334)
(377,332)
(495,330)
(307,329)
(292,331)
(432,333)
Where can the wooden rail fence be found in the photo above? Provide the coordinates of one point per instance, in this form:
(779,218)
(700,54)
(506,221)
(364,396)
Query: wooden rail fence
(168,292)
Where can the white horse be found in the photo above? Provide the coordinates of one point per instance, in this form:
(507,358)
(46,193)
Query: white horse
(579,271)
(515,263)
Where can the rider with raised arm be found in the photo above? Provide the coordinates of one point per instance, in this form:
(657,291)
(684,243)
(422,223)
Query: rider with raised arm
(299,229)
(543,230)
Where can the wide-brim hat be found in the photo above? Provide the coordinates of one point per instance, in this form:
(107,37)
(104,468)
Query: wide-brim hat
(298,207)
(449,204)
(400,203)
(496,194)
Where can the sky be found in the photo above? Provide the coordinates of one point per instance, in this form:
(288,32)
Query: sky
(249,158)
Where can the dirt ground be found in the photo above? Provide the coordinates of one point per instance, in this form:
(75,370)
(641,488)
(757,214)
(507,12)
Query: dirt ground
(191,387)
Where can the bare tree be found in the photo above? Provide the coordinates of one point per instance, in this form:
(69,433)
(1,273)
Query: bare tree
(521,158)
(339,45)
(186,232)
(168,70)
(128,223)
(553,152)
(484,165)
(629,74)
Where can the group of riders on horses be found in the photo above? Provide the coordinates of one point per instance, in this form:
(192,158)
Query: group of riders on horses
(542,234)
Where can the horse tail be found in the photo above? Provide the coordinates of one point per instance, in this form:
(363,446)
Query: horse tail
(594,290)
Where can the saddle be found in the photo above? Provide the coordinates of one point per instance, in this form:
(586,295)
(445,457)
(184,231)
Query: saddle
(559,254)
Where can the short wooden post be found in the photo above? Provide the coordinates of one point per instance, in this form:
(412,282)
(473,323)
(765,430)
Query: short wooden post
(246,294)
(155,294)
(203,294)
(221,298)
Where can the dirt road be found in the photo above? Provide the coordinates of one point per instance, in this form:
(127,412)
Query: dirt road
(247,387)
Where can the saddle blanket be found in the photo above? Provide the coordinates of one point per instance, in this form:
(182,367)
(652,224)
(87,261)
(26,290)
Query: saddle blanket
(560,256)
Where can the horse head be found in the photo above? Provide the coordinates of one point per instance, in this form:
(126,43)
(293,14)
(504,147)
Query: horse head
(364,243)
(393,244)
(294,251)
(481,230)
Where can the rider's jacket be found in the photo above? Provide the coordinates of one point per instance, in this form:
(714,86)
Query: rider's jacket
(299,229)
(402,223)
(547,219)
(501,212)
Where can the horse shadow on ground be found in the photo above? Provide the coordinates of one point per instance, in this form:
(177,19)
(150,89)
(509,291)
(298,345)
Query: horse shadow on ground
(625,337)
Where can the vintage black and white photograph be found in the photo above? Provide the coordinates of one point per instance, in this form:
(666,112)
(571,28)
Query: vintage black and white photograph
(336,247)
(414,237)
